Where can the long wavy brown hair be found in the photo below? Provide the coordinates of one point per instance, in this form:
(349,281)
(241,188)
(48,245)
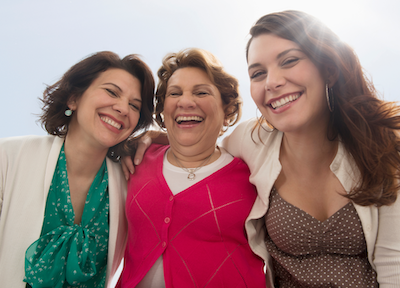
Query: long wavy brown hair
(367,126)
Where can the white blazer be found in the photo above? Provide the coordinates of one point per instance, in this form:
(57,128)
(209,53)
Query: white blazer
(381,226)
(27,166)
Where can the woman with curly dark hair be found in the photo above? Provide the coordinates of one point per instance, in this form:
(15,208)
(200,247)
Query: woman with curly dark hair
(324,157)
(61,199)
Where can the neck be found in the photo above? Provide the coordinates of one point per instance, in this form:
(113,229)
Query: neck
(81,159)
(311,151)
(192,159)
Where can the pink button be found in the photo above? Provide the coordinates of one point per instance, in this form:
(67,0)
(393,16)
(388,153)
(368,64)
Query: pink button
(164,244)
(167,219)
(171,198)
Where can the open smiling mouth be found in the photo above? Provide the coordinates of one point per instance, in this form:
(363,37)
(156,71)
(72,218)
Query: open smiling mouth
(111,122)
(188,119)
(284,101)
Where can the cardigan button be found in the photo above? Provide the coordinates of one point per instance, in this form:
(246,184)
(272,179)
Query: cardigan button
(167,219)
(163,244)
(171,198)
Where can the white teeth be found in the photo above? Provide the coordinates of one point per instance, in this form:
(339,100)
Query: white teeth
(283,101)
(180,119)
(111,122)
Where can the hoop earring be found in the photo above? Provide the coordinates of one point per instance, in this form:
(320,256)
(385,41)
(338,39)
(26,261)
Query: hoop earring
(260,121)
(68,112)
(329,98)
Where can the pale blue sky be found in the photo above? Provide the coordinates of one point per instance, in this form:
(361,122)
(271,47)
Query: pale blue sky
(41,39)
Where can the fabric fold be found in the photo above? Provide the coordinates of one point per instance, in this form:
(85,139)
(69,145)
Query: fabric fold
(69,254)
(48,257)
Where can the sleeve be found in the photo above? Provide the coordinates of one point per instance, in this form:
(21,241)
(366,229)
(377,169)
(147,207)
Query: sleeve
(3,164)
(387,247)
(1,191)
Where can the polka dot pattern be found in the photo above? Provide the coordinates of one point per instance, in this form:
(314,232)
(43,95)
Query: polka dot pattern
(310,253)
(68,254)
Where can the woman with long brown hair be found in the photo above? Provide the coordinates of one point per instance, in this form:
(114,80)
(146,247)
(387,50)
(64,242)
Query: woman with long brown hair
(324,157)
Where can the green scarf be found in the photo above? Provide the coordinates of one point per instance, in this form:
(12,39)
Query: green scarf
(68,254)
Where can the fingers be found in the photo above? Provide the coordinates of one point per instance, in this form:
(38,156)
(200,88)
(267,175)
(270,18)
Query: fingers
(143,144)
(127,167)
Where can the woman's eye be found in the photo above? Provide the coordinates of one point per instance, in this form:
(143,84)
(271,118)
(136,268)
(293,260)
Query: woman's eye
(290,61)
(134,107)
(257,74)
(202,93)
(173,94)
(111,92)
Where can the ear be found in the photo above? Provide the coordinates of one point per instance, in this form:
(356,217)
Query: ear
(71,103)
(331,75)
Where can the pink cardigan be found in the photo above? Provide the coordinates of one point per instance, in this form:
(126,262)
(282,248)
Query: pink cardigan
(199,231)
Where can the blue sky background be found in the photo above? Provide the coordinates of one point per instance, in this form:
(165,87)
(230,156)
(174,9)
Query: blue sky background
(41,39)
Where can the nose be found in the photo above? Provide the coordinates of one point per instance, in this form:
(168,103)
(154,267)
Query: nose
(274,80)
(121,106)
(187,100)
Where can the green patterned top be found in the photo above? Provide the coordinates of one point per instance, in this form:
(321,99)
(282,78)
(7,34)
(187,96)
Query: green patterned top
(68,254)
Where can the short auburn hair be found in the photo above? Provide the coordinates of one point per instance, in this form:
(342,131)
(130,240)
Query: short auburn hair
(226,84)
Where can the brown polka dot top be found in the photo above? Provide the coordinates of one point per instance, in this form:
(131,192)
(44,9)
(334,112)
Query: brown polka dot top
(309,253)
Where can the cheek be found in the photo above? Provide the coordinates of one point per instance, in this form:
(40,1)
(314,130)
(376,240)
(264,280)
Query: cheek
(169,106)
(134,119)
(257,93)
(219,115)
(167,114)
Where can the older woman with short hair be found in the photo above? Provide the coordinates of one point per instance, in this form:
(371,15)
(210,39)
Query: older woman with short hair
(187,202)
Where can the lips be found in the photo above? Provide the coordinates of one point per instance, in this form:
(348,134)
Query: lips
(111,122)
(188,119)
(284,100)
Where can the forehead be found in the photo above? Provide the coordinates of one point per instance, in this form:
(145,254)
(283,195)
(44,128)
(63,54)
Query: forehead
(189,76)
(116,76)
(268,46)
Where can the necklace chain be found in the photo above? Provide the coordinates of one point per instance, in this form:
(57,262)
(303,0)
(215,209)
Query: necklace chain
(192,171)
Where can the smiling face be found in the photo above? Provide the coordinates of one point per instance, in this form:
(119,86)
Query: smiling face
(286,85)
(193,110)
(108,111)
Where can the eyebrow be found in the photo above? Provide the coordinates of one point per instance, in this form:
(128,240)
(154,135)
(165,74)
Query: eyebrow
(195,86)
(287,51)
(116,86)
(202,85)
(137,100)
(283,53)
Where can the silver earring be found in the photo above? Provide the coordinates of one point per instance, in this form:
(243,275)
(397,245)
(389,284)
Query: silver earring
(68,112)
(329,97)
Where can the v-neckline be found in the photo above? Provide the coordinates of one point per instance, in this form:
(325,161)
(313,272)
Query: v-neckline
(326,221)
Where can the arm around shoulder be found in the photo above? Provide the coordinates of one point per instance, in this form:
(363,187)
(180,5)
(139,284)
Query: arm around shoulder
(233,142)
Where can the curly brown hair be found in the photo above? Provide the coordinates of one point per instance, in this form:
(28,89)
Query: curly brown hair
(365,124)
(79,77)
(227,85)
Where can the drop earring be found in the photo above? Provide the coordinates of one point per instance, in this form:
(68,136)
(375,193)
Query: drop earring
(329,98)
(68,112)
